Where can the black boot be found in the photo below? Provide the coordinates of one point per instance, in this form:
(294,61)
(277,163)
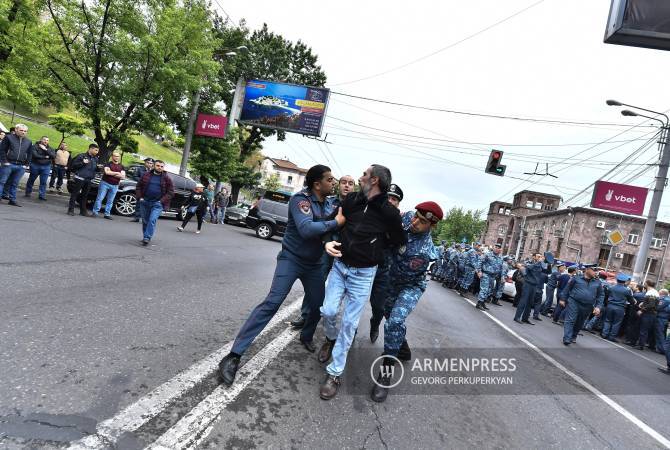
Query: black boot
(480,306)
(228,368)
(299,323)
(381,390)
(405,353)
(374,330)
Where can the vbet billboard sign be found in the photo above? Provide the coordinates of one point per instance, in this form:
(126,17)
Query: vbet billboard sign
(621,198)
(211,126)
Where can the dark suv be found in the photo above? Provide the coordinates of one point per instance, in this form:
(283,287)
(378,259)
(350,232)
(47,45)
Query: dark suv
(126,202)
(270,216)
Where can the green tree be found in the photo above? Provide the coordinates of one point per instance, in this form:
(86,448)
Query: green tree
(272,182)
(459,224)
(128,64)
(67,125)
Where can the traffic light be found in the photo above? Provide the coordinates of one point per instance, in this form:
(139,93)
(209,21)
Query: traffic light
(493,166)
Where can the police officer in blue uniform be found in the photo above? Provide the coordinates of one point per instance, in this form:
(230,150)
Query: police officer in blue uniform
(491,268)
(550,290)
(619,296)
(472,265)
(451,277)
(301,257)
(408,282)
(584,294)
(533,276)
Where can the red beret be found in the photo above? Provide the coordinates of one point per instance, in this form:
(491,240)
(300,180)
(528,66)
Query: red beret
(431,210)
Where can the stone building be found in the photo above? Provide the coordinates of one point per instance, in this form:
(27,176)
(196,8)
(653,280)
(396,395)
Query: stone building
(291,177)
(574,234)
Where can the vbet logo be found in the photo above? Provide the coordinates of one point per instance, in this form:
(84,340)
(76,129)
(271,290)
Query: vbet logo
(617,197)
(211,126)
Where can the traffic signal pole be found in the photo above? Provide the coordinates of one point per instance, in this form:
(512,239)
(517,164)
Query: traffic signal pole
(659,186)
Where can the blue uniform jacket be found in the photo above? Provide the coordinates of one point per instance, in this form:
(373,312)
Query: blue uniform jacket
(534,273)
(307,222)
(583,291)
(410,261)
(563,281)
(663,308)
(492,264)
(472,259)
(553,279)
(619,295)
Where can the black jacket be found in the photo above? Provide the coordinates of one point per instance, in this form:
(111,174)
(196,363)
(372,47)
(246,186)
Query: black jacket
(15,150)
(41,156)
(83,170)
(199,200)
(371,227)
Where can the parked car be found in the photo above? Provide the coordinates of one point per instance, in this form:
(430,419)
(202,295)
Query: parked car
(237,215)
(270,215)
(125,201)
(509,290)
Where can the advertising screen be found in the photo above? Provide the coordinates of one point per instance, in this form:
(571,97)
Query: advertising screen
(211,126)
(617,197)
(281,106)
(639,23)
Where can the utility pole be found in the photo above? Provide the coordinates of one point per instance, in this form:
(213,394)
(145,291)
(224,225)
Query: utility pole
(189,134)
(521,233)
(659,186)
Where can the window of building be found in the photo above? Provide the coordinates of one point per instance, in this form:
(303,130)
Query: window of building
(538,205)
(603,238)
(634,237)
(651,266)
(548,246)
(628,260)
(507,212)
(656,242)
(502,230)
(290,179)
(532,243)
(501,210)
(529,204)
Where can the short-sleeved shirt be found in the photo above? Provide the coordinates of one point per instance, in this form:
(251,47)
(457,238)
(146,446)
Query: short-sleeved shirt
(114,168)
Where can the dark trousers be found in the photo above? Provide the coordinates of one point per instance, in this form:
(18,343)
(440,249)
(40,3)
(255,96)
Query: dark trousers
(632,326)
(517,296)
(537,303)
(79,192)
(289,269)
(558,312)
(57,175)
(379,294)
(549,299)
(526,302)
(661,323)
(613,318)
(575,316)
(200,215)
(647,321)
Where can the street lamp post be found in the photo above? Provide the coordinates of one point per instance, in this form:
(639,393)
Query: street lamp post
(659,186)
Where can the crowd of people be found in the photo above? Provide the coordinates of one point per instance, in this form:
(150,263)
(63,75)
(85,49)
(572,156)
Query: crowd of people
(578,297)
(154,189)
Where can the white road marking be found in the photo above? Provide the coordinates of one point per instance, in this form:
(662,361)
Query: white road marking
(636,353)
(195,426)
(137,414)
(614,405)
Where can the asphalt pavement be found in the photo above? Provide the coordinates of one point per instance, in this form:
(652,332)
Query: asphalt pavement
(107,344)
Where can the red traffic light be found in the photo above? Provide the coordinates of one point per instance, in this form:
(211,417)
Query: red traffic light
(495,155)
(493,166)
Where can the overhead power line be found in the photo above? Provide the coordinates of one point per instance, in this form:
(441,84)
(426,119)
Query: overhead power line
(440,50)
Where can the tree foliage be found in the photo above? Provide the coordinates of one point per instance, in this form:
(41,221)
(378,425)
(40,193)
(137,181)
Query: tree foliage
(272,183)
(459,225)
(67,125)
(128,64)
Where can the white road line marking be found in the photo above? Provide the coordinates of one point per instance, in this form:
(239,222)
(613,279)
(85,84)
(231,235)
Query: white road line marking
(149,406)
(614,405)
(195,426)
(635,353)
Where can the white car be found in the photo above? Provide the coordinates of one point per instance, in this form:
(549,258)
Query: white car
(510,289)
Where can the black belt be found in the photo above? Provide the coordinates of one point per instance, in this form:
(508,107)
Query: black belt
(18,163)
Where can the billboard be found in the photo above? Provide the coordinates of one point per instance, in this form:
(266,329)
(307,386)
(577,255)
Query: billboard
(621,198)
(639,23)
(211,126)
(282,106)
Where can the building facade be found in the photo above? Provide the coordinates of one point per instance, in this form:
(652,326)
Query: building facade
(291,177)
(576,235)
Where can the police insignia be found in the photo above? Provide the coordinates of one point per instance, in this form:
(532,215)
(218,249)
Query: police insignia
(402,249)
(305,207)
(416,263)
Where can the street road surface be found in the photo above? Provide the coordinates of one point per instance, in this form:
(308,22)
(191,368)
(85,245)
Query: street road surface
(106,344)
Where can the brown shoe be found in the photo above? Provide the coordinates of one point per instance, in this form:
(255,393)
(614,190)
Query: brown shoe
(326,350)
(329,387)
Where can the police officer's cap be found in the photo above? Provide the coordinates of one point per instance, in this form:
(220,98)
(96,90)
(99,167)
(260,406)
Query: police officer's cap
(395,191)
(477,243)
(549,257)
(430,211)
(498,246)
(622,277)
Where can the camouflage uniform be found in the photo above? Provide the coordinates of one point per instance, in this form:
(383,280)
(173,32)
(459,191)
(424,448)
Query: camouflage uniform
(501,281)
(408,281)
(491,268)
(472,264)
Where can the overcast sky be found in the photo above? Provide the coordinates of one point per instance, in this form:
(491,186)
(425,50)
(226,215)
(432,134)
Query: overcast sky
(547,62)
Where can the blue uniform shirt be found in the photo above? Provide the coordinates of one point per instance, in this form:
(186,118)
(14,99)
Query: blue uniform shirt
(410,261)
(307,222)
(663,308)
(583,291)
(534,273)
(492,264)
(619,295)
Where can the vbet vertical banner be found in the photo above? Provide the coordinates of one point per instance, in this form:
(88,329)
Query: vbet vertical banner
(621,198)
(211,126)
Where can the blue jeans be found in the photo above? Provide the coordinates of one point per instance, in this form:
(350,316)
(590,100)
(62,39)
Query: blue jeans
(150,212)
(108,192)
(57,176)
(221,215)
(42,171)
(351,285)
(575,316)
(289,268)
(549,299)
(525,302)
(661,322)
(613,318)
(10,175)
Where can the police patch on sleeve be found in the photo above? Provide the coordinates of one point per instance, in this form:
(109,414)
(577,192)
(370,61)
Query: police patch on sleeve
(305,207)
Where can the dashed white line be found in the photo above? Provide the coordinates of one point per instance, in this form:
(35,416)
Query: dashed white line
(195,426)
(614,405)
(137,414)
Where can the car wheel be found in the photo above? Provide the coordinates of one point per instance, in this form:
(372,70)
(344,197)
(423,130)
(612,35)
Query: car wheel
(126,204)
(264,231)
(181,213)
